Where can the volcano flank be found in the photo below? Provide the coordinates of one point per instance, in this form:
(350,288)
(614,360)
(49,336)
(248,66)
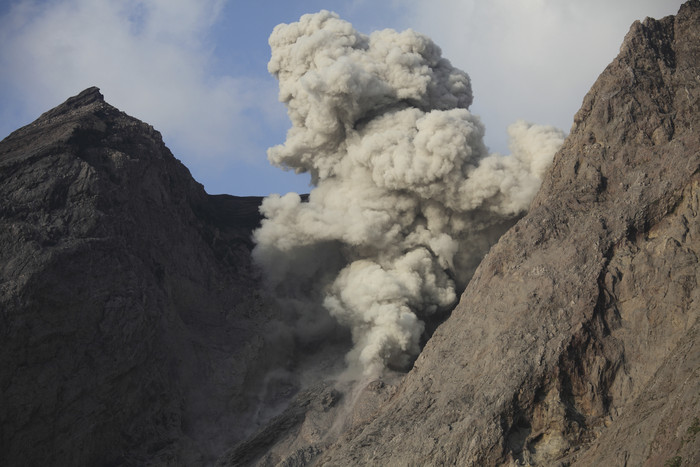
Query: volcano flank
(427,303)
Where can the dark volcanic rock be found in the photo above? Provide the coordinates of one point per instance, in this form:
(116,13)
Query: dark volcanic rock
(130,309)
(577,339)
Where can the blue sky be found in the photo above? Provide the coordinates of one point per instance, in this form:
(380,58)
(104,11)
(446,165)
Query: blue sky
(197,69)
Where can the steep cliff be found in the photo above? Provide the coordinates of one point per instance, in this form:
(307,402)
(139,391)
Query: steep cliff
(129,304)
(577,339)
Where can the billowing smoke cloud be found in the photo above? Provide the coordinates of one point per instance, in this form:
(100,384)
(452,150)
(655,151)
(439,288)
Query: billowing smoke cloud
(407,199)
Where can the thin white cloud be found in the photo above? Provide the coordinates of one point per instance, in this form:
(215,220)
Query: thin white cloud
(157,60)
(530,59)
(150,58)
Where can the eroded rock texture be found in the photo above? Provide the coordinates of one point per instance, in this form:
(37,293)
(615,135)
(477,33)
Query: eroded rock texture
(129,306)
(576,342)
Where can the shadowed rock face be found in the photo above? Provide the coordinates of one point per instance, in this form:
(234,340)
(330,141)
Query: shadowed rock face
(129,305)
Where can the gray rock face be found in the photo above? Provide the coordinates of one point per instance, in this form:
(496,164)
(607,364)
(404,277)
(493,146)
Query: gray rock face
(130,309)
(576,342)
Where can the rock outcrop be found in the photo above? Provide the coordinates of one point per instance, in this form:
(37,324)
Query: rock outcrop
(129,304)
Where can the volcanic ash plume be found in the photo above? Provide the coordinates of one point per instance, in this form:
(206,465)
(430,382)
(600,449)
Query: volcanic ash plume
(407,199)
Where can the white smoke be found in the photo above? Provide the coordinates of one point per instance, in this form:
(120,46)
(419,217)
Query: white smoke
(407,199)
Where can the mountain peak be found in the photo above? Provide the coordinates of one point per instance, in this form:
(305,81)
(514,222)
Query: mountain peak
(85,97)
(92,207)
(60,123)
(86,100)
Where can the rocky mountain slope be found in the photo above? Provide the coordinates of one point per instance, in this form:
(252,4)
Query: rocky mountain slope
(576,342)
(129,305)
(135,330)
